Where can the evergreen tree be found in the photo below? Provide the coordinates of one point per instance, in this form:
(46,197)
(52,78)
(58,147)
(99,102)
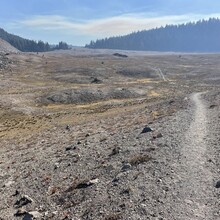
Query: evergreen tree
(202,36)
(26,45)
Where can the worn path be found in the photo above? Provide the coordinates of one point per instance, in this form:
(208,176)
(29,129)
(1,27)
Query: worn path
(194,189)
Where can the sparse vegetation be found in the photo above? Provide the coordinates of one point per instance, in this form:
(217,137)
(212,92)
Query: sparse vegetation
(89,160)
(139,159)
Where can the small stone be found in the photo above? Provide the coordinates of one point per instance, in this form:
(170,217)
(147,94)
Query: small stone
(68,148)
(146,130)
(212,106)
(217,185)
(20,212)
(68,127)
(159,135)
(9,183)
(56,166)
(159,180)
(94,181)
(115,151)
(126,167)
(23,201)
(28,216)
(83,185)
(15,193)
(36,214)
(52,190)
(96,81)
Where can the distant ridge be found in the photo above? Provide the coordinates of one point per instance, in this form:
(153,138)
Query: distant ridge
(5,47)
(202,36)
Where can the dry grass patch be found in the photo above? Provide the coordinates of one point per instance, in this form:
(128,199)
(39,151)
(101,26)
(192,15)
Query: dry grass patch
(139,159)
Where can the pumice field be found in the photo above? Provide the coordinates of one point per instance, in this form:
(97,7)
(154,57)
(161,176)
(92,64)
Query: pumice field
(108,135)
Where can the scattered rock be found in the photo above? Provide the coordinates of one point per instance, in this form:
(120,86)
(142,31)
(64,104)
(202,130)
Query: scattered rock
(16,193)
(171,102)
(115,151)
(68,148)
(23,201)
(212,106)
(96,81)
(217,185)
(56,166)
(20,212)
(146,130)
(86,184)
(71,147)
(75,158)
(36,214)
(67,128)
(9,183)
(82,184)
(94,181)
(120,55)
(159,181)
(126,166)
(125,191)
(158,135)
(28,216)
(52,190)
(103,139)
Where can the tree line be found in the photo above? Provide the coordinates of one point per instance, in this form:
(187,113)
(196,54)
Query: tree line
(26,45)
(201,36)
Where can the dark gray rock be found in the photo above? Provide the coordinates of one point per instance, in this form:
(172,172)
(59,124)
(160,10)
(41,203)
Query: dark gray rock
(96,81)
(217,185)
(115,151)
(126,166)
(20,212)
(146,130)
(24,200)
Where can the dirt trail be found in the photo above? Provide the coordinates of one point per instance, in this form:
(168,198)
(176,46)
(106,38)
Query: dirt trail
(160,73)
(196,185)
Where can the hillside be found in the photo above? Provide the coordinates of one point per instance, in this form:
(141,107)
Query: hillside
(202,36)
(22,44)
(27,45)
(5,47)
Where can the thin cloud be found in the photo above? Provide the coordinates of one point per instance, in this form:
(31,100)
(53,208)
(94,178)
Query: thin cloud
(118,25)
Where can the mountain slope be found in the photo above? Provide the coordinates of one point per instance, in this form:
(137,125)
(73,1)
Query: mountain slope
(202,36)
(6,47)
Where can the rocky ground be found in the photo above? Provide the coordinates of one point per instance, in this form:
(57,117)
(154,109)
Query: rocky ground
(91,135)
(5,47)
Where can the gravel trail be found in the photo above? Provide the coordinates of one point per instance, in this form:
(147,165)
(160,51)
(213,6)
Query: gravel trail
(195,178)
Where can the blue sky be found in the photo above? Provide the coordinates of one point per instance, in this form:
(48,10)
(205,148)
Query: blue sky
(79,21)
